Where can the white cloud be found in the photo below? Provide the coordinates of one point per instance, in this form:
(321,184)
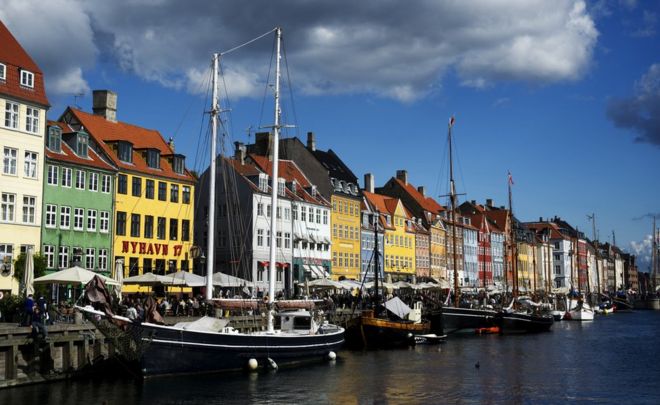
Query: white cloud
(399,50)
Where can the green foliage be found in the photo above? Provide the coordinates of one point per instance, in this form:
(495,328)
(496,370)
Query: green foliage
(39,270)
(11,307)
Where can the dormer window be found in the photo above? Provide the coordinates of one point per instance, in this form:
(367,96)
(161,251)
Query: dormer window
(178,164)
(3,72)
(125,152)
(313,191)
(153,158)
(82,144)
(281,186)
(27,79)
(294,187)
(263,182)
(55,139)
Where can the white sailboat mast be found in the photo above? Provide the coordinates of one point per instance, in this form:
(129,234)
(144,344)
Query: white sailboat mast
(210,260)
(274,186)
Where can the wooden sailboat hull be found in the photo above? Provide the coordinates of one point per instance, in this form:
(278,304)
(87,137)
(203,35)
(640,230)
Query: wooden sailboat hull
(466,319)
(516,322)
(171,350)
(385,333)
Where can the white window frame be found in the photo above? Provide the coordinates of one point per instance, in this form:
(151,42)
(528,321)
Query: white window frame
(49,254)
(32,120)
(103,259)
(78,219)
(27,78)
(104,221)
(80,179)
(29,209)
(7,254)
(53,175)
(90,256)
(91,220)
(51,216)
(65,217)
(105,184)
(260,237)
(7,207)
(30,164)
(63,257)
(11,115)
(67,177)
(3,71)
(9,161)
(93,181)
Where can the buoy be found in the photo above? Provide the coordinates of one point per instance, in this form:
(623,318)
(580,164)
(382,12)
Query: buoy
(271,364)
(253,364)
(332,356)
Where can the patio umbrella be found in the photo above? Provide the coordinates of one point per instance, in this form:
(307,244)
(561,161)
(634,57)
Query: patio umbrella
(119,277)
(184,279)
(325,283)
(226,280)
(72,275)
(28,277)
(148,279)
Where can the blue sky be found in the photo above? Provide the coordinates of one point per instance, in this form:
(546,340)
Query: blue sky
(564,94)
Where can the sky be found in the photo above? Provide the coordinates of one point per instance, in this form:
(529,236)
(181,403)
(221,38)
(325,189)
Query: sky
(563,94)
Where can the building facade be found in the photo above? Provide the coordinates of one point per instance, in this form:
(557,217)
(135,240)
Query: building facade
(23,105)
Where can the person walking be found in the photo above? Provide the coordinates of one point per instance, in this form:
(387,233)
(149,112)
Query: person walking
(28,309)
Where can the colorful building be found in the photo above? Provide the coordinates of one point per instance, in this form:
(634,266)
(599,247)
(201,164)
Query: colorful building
(78,203)
(23,105)
(154,193)
(368,243)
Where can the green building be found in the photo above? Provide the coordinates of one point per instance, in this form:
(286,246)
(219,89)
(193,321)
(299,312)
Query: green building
(78,202)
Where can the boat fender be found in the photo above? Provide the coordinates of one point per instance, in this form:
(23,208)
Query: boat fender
(271,364)
(332,356)
(253,364)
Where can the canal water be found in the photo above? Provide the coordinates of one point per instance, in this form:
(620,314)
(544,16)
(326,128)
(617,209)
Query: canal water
(613,360)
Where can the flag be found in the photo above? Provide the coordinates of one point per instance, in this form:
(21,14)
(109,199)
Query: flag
(451,121)
(510,179)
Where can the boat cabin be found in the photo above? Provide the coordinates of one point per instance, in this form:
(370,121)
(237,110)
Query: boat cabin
(297,321)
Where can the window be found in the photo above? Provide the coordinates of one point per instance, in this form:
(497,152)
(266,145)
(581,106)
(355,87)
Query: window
(148,226)
(260,237)
(80,179)
(49,254)
(185,230)
(29,206)
(280,186)
(94,182)
(105,184)
(160,231)
(137,186)
(263,182)
(162,191)
(260,209)
(303,213)
(32,120)
(52,175)
(120,228)
(82,145)
(122,184)
(174,228)
(65,217)
(287,213)
(147,265)
(185,196)
(135,225)
(51,216)
(103,259)
(7,207)
(9,161)
(178,164)
(55,139)
(318,216)
(160,266)
(89,258)
(125,152)
(91,220)
(174,193)
(3,71)
(78,219)
(287,240)
(104,223)
(153,158)
(64,257)
(27,78)
(278,239)
(278,213)
(7,254)
(294,213)
(67,174)
(11,115)
(325,217)
(149,189)
(133,266)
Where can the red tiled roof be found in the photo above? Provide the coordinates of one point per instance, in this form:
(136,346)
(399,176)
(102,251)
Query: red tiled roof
(106,132)
(555,233)
(68,155)
(427,203)
(15,59)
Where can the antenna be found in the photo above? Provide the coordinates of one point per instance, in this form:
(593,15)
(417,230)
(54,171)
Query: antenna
(75,99)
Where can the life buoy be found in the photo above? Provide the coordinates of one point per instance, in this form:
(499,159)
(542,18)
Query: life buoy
(1,295)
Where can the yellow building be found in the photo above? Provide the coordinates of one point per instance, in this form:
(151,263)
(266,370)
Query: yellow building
(345,222)
(399,236)
(525,265)
(154,193)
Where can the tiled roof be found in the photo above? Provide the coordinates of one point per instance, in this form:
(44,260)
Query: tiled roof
(106,132)
(69,156)
(14,57)
(555,233)
(427,203)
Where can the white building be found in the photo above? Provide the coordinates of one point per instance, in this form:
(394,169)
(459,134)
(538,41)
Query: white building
(23,106)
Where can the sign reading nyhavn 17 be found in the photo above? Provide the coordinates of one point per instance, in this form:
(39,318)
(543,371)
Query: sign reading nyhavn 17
(144,248)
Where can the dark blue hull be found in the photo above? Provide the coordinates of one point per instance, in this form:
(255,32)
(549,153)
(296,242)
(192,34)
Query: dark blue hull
(515,322)
(174,351)
(466,319)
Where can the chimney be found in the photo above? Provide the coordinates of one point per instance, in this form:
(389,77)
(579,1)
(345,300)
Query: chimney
(264,144)
(369,182)
(540,219)
(422,190)
(473,202)
(489,202)
(402,175)
(311,141)
(239,152)
(104,103)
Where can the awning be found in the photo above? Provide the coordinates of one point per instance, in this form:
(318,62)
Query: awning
(282,265)
(326,240)
(264,264)
(316,271)
(313,237)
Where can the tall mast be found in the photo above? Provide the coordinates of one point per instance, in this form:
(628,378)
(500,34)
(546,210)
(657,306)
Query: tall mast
(377,264)
(274,187)
(514,252)
(210,261)
(654,262)
(593,225)
(452,198)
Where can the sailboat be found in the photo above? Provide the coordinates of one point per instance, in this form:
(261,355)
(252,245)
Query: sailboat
(516,318)
(578,308)
(212,344)
(456,318)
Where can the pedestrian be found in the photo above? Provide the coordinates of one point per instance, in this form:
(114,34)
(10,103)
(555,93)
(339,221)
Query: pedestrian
(29,310)
(38,324)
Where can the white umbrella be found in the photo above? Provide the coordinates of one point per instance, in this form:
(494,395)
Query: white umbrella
(149,279)
(28,277)
(119,276)
(325,283)
(72,275)
(226,280)
(184,279)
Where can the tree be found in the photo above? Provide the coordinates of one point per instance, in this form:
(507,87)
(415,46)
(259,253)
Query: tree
(39,267)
